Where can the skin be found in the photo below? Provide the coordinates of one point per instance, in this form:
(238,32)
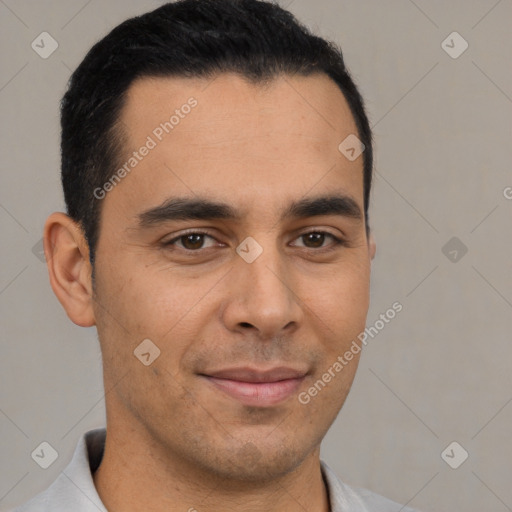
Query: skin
(174,441)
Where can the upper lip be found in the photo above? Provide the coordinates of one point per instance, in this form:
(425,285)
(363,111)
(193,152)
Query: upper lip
(247,374)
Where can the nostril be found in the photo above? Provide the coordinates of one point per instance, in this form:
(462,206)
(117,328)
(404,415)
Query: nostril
(245,324)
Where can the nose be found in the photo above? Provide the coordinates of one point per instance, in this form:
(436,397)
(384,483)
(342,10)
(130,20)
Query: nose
(263,297)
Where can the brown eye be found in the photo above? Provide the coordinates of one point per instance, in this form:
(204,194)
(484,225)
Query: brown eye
(193,241)
(314,240)
(317,239)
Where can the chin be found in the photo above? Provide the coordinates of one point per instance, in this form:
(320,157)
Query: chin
(258,462)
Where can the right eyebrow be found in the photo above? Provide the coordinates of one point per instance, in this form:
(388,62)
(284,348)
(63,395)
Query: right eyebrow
(186,209)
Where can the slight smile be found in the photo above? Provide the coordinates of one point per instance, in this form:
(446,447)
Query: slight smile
(255,387)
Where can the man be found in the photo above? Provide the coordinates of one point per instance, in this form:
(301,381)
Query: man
(216,166)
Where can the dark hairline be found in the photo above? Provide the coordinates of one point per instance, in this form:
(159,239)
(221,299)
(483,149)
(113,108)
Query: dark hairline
(144,47)
(120,136)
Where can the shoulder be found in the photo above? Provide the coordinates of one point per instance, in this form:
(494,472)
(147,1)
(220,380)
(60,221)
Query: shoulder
(39,503)
(73,490)
(344,497)
(376,502)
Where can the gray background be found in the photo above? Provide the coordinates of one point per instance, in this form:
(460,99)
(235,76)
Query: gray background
(439,372)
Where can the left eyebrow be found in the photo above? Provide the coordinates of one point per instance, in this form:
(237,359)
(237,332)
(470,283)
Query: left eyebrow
(338,204)
(205,209)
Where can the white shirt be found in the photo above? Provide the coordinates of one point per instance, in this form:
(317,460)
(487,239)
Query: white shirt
(74,490)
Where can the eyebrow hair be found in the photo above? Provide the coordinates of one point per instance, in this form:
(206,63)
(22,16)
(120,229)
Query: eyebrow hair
(206,209)
(337,204)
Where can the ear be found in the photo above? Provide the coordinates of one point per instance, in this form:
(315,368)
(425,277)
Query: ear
(372,246)
(67,258)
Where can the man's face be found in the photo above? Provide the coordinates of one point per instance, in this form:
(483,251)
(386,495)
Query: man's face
(229,328)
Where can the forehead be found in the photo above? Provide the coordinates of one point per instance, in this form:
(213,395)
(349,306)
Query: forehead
(313,105)
(236,141)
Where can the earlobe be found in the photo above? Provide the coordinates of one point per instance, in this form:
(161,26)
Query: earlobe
(372,246)
(69,269)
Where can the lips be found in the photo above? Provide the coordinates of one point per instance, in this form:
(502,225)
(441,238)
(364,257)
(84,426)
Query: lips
(261,388)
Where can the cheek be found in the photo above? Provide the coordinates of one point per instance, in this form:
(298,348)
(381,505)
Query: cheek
(144,300)
(140,302)
(341,299)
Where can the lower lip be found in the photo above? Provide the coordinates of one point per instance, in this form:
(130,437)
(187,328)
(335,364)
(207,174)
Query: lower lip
(262,394)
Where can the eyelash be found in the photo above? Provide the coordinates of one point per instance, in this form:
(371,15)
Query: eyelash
(336,241)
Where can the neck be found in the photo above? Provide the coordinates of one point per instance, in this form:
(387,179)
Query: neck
(137,474)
